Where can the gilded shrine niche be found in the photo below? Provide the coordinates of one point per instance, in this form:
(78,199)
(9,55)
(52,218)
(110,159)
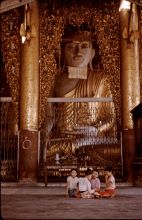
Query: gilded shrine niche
(74,130)
(102,20)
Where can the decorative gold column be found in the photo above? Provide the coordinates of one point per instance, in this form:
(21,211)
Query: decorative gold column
(29,97)
(130,83)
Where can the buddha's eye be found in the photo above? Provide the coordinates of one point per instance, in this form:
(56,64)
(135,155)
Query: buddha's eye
(71,46)
(85,45)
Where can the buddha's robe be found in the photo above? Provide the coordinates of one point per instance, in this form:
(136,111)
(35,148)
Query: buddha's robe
(81,124)
(88,117)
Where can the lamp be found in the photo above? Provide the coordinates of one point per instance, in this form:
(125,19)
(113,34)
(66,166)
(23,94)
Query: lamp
(57,159)
(124,5)
(27,30)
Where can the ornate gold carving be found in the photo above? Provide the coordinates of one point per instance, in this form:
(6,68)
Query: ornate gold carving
(10,46)
(51,29)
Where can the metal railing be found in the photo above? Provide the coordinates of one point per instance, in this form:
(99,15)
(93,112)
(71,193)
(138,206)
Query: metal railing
(9,141)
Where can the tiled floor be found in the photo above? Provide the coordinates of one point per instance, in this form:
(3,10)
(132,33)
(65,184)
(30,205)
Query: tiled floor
(38,202)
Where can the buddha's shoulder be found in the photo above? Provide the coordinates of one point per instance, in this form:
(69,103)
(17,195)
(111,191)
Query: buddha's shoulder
(98,73)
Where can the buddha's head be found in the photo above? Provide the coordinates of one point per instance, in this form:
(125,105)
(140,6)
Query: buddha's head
(78,50)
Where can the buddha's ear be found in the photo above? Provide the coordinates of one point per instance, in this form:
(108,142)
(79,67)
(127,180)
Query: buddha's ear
(92,56)
(93,53)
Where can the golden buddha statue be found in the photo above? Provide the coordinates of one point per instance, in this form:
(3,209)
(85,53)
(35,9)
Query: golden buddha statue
(78,81)
(85,123)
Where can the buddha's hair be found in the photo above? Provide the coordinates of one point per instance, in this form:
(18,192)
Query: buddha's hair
(81,33)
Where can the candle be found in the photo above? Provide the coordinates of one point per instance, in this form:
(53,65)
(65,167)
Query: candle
(57,157)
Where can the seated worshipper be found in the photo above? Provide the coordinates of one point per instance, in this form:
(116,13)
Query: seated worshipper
(85,185)
(72,184)
(86,122)
(95,181)
(110,188)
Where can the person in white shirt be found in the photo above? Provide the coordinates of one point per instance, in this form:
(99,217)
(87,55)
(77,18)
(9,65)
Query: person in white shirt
(95,181)
(72,183)
(85,185)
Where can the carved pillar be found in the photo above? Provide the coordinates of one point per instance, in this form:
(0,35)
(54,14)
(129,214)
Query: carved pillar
(130,83)
(29,99)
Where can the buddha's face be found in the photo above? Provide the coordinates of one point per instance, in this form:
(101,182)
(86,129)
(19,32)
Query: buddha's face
(78,53)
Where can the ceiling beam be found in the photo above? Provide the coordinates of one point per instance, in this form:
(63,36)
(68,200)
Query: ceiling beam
(8,4)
